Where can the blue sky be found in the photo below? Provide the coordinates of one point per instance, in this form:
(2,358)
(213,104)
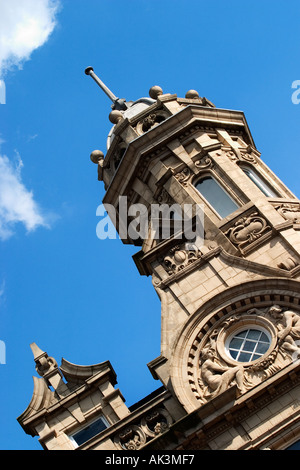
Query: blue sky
(76,296)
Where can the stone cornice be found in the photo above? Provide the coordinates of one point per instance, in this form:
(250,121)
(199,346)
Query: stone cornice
(157,137)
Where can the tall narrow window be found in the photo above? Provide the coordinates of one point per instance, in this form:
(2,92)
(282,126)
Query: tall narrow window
(265,188)
(216,196)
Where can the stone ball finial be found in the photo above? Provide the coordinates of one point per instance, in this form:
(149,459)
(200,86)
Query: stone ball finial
(96,156)
(115,116)
(192,94)
(155,92)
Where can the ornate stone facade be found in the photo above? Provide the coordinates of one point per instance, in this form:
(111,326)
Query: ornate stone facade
(230,308)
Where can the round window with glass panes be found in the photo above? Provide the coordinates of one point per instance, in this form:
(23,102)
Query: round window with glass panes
(248,344)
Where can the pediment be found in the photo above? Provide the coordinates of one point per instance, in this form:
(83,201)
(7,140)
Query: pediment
(42,399)
(78,374)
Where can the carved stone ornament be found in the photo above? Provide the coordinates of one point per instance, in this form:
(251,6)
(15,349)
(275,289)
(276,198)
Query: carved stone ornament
(248,155)
(289,211)
(244,350)
(184,176)
(150,121)
(247,229)
(178,258)
(204,163)
(164,197)
(156,422)
(150,425)
(132,438)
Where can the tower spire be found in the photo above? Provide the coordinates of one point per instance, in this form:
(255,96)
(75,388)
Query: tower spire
(118,103)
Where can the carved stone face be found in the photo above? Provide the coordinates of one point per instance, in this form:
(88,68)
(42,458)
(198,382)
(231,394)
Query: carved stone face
(276,311)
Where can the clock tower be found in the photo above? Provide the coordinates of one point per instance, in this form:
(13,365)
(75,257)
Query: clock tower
(218,233)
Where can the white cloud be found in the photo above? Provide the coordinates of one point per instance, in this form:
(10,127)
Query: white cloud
(25,25)
(17,204)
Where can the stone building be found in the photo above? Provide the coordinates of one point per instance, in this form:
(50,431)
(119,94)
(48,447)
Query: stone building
(229,370)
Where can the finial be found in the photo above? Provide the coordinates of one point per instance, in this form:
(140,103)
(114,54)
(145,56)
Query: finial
(116,116)
(36,351)
(97,156)
(155,91)
(117,102)
(191,94)
(44,363)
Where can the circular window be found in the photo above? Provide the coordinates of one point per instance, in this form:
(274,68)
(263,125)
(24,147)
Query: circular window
(248,344)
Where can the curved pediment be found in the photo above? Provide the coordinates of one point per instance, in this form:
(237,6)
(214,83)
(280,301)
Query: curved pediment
(42,399)
(78,374)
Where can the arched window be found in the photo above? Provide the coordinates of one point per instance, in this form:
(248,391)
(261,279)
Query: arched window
(264,187)
(216,196)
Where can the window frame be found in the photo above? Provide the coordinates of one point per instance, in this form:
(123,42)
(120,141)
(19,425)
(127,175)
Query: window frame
(225,190)
(259,181)
(86,425)
(247,327)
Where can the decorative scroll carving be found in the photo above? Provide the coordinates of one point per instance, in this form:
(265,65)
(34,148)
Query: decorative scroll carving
(288,264)
(204,163)
(152,424)
(215,369)
(249,157)
(184,176)
(247,229)
(178,259)
(289,211)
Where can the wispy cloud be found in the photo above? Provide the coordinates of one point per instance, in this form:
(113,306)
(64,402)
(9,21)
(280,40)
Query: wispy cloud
(17,203)
(25,25)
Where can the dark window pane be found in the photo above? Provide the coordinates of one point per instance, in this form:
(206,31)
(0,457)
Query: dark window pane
(249,346)
(236,343)
(244,357)
(253,334)
(262,348)
(233,353)
(295,446)
(216,196)
(90,431)
(242,334)
(264,338)
(256,356)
